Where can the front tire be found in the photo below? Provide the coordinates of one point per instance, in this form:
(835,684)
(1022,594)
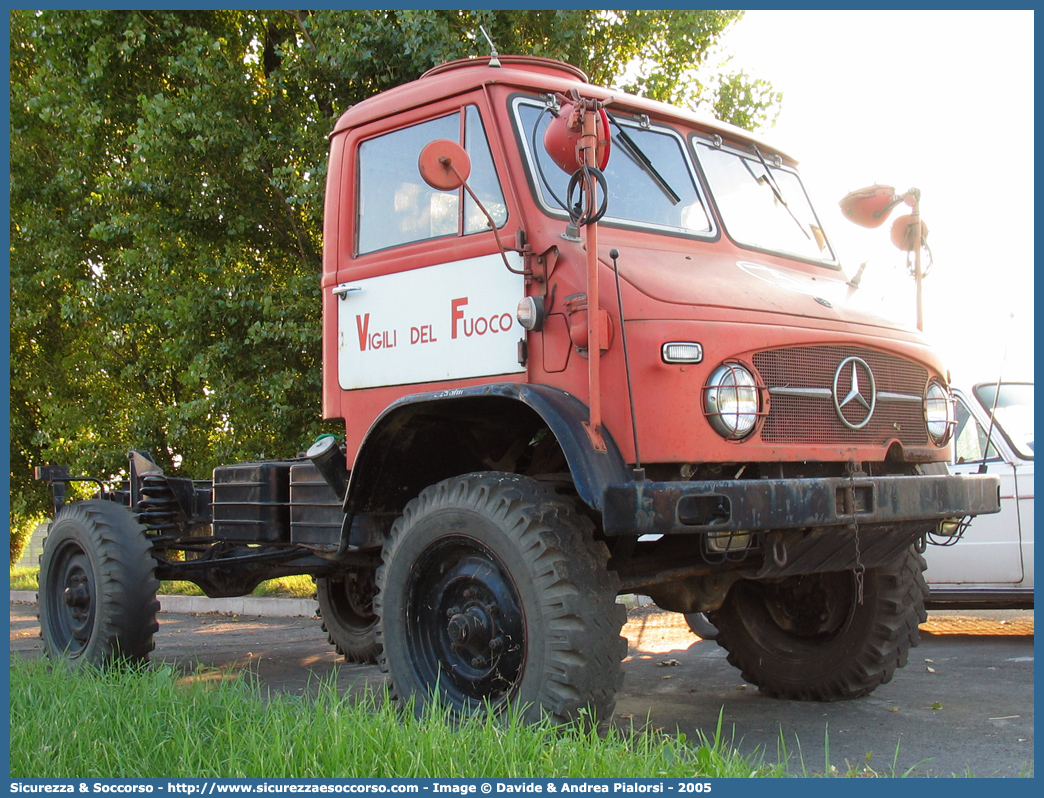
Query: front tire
(809,638)
(494,591)
(346,610)
(97,599)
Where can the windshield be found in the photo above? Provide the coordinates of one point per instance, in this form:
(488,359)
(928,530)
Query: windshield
(649,177)
(1014,413)
(762,205)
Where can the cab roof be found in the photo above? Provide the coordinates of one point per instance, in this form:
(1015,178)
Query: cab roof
(530,74)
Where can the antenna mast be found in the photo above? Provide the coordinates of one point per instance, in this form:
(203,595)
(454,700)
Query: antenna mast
(494,56)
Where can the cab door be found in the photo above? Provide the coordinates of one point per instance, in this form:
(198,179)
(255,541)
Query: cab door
(423,295)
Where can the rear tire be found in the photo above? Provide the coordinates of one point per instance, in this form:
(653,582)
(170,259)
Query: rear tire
(346,610)
(808,638)
(494,591)
(97,599)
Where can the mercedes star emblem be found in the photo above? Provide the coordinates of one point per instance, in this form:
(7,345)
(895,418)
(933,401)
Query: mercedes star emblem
(862,393)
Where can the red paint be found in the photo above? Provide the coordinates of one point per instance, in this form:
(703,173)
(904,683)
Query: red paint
(457,313)
(422,335)
(385,339)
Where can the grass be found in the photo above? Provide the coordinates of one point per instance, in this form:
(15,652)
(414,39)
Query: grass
(281,587)
(24,577)
(159,723)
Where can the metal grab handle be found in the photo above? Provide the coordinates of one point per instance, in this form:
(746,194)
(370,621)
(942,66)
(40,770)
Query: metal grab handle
(342,291)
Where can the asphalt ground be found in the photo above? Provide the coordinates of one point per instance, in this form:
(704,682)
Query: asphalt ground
(963,705)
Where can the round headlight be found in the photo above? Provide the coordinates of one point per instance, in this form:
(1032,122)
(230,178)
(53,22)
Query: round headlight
(730,400)
(938,412)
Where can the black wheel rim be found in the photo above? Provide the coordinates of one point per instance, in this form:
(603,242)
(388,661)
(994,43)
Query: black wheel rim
(352,599)
(465,629)
(815,608)
(71,598)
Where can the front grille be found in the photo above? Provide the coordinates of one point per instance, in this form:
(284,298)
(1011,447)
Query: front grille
(797,418)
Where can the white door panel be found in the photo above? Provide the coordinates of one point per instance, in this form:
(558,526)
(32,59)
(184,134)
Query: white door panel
(996,550)
(451,321)
(991,550)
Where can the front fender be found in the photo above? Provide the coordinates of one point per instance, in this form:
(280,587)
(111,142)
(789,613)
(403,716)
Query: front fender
(401,427)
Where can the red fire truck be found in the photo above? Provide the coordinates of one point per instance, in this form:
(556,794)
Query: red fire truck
(583,344)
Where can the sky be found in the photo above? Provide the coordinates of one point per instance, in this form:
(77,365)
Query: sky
(937,100)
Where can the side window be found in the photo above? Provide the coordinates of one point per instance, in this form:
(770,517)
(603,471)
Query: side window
(483,179)
(970,438)
(396,206)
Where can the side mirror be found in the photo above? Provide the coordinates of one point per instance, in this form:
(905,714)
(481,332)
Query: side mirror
(869,207)
(444,165)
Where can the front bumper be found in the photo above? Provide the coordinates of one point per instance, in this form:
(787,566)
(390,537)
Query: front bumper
(723,506)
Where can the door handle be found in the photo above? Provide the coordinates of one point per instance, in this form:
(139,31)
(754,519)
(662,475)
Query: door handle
(343,290)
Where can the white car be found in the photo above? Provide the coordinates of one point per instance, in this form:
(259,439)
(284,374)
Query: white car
(992,565)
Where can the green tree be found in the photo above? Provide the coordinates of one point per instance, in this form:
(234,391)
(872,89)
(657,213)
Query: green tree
(167,174)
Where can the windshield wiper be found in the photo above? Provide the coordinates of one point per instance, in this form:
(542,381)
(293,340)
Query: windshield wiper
(769,180)
(635,153)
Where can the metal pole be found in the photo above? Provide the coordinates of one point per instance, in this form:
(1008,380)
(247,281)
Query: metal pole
(917,254)
(594,342)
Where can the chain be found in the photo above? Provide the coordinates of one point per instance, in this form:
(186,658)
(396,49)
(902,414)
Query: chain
(860,569)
